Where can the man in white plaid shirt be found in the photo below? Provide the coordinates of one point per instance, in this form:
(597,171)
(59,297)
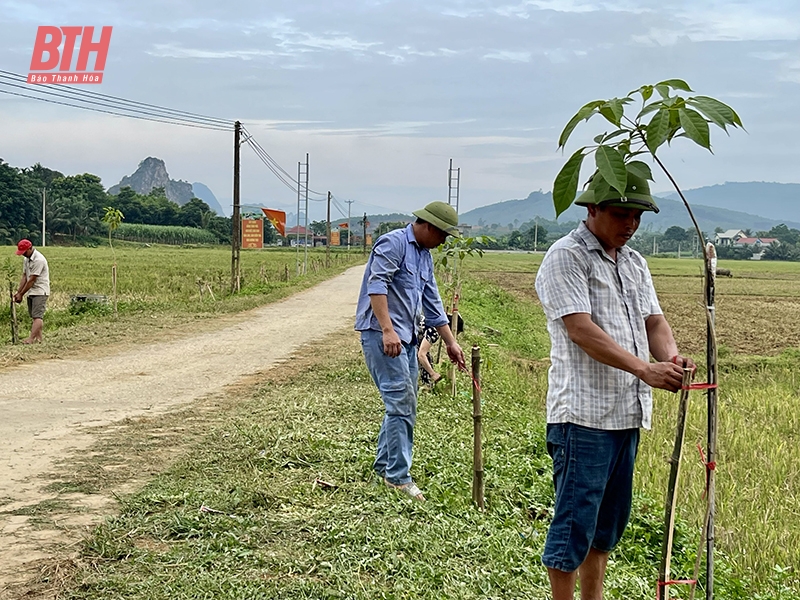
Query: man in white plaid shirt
(604,322)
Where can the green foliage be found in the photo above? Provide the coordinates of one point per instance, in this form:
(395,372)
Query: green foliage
(387,226)
(679,234)
(734,253)
(782,252)
(319,227)
(164,234)
(76,204)
(657,122)
(456,249)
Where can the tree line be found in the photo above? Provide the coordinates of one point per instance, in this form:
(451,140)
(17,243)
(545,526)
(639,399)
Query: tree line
(75,204)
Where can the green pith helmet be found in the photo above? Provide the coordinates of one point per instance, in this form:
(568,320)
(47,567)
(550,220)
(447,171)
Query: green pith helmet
(441,215)
(600,193)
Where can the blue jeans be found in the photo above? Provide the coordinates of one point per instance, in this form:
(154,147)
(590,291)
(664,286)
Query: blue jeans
(593,477)
(396,379)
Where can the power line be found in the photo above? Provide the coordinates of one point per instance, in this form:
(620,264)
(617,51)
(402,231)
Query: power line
(172,118)
(271,167)
(118,114)
(79,94)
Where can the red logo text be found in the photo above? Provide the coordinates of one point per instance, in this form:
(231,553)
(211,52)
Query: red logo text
(54,51)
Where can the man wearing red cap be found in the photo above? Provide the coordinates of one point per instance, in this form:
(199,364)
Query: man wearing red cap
(35,283)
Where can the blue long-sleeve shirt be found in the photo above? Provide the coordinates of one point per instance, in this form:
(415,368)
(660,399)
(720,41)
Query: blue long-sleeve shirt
(402,270)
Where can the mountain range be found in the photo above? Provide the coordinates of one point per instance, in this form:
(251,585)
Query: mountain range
(729,206)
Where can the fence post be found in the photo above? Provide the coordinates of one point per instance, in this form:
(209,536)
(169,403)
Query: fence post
(14,334)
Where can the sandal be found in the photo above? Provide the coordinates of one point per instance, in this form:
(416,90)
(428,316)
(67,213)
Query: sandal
(409,488)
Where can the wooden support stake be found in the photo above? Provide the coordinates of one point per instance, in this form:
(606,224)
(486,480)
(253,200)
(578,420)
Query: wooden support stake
(672,488)
(114,286)
(14,330)
(477,451)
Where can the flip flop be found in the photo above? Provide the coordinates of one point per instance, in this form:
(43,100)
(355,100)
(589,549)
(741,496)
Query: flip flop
(409,489)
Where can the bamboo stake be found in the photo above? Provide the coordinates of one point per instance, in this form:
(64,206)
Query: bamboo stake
(114,285)
(672,488)
(711,450)
(14,330)
(477,451)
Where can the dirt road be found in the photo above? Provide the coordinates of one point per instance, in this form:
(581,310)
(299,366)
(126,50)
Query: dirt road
(48,405)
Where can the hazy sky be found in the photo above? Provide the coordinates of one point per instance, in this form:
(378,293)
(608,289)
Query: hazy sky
(382,94)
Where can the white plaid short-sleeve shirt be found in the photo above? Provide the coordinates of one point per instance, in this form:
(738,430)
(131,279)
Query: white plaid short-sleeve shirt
(577,276)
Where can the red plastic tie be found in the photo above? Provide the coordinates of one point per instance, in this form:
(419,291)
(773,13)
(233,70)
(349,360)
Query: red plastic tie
(471,376)
(662,584)
(710,466)
(700,386)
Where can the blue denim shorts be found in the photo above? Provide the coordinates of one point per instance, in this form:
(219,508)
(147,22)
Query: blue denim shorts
(593,479)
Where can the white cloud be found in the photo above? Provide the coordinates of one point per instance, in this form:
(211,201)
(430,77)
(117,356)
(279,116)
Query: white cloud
(508,55)
(729,23)
(175,51)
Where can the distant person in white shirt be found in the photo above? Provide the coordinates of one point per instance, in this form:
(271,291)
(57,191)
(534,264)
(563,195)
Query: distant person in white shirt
(35,283)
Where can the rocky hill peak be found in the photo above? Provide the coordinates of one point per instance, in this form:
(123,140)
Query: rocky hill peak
(152,173)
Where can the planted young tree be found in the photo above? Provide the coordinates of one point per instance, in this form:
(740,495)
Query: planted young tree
(112,217)
(449,256)
(661,113)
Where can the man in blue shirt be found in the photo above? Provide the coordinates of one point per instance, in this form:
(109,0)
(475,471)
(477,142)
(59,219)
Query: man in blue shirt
(398,287)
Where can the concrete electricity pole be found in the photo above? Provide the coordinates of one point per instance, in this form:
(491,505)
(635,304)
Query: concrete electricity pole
(349,203)
(328,245)
(236,217)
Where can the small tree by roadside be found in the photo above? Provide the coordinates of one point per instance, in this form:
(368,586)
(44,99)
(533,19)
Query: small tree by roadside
(113,217)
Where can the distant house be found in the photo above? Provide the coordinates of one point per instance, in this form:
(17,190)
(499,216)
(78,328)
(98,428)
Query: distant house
(729,238)
(298,231)
(756,243)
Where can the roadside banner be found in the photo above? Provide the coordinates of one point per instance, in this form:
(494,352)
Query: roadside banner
(277,218)
(335,239)
(252,233)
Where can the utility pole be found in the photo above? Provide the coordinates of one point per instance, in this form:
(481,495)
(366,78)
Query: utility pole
(349,203)
(302,209)
(364,239)
(236,219)
(328,245)
(453,186)
(44,210)
(536,235)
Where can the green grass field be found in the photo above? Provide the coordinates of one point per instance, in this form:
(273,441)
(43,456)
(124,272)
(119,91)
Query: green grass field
(275,531)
